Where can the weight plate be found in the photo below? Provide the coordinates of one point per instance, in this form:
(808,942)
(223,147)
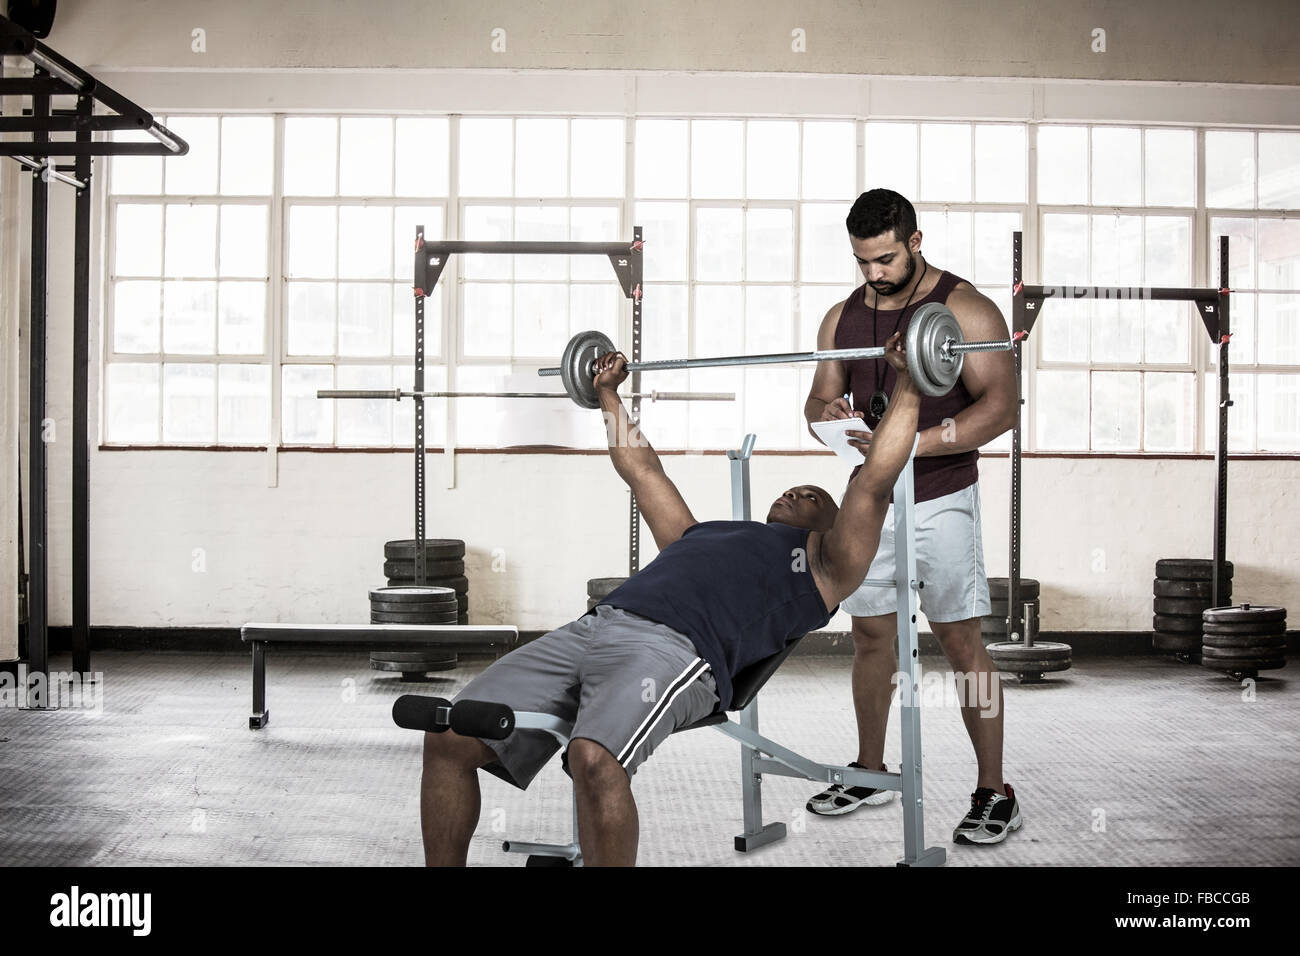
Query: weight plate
(931,326)
(1169,624)
(423,595)
(601,587)
(432,569)
(575,366)
(1261,628)
(1164,641)
(405,664)
(400,607)
(1028,590)
(1263,642)
(1181,589)
(459,584)
(1181,607)
(439,549)
(998,607)
(1015,652)
(1235,653)
(1244,668)
(414,617)
(1188,569)
(1244,613)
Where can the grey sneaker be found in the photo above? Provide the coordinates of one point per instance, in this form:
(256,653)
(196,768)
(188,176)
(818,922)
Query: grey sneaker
(992,816)
(837,798)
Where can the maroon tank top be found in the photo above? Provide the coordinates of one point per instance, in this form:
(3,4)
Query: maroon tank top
(936,476)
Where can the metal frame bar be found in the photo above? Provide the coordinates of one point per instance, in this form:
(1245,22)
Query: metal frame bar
(38,602)
(81,401)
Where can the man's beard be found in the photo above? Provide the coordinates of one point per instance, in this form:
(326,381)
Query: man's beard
(893,288)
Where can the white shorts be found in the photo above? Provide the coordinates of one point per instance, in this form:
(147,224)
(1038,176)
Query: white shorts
(949,560)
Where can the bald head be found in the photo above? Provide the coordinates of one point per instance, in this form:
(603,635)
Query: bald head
(805,506)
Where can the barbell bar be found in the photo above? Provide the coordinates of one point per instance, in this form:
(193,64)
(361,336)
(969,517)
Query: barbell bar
(935,352)
(397,394)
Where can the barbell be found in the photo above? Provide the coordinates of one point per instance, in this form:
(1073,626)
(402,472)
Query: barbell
(397,394)
(935,351)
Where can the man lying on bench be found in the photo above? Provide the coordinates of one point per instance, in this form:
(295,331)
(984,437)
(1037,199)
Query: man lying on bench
(660,652)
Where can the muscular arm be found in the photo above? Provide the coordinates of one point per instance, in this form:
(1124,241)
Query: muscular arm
(830,379)
(990,377)
(842,555)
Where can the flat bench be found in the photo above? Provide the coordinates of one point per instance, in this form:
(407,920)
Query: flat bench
(493,638)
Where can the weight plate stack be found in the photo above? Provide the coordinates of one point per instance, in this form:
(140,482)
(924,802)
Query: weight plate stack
(600,588)
(444,567)
(993,626)
(1030,663)
(441,598)
(1243,640)
(1181,592)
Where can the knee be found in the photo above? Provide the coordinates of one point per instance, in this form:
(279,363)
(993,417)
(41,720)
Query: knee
(869,641)
(451,748)
(963,646)
(594,767)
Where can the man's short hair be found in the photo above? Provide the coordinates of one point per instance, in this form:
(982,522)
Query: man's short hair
(879,211)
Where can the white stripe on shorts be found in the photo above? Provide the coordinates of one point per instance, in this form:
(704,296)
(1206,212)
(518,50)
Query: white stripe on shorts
(693,672)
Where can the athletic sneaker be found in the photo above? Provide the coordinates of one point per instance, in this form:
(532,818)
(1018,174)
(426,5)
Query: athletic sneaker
(837,798)
(992,816)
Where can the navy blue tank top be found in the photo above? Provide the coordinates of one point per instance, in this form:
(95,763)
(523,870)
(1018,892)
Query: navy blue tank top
(740,590)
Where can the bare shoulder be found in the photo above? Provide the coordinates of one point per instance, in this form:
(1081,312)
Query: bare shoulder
(977,314)
(830,323)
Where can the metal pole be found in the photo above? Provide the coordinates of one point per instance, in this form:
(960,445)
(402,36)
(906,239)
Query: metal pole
(420,463)
(1219,585)
(396,394)
(39,598)
(636,261)
(1020,323)
(81,406)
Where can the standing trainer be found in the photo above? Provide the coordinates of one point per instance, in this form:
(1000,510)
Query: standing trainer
(949,552)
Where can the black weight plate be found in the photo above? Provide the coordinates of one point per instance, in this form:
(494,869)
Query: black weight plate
(1163,641)
(601,587)
(437,549)
(399,607)
(1169,624)
(1188,569)
(1181,589)
(458,584)
(423,595)
(1232,664)
(1016,652)
(1181,607)
(998,588)
(1236,653)
(432,569)
(1261,628)
(1245,614)
(398,617)
(1263,642)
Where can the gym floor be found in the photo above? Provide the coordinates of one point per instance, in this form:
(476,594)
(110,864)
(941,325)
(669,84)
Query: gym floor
(1158,763)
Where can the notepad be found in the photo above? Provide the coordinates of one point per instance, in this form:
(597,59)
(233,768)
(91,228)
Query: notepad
(833,434)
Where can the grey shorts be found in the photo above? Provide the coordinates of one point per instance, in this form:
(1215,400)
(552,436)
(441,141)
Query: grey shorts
(949,559)
(622,680)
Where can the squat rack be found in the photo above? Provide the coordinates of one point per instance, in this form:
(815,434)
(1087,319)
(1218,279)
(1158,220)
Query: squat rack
(1026,306)
(55,76)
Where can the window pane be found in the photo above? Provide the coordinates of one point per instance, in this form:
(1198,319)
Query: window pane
(1061,419)
(310,155)
(772,160)
(365,156)
(1229,170)
(1164,330)
(1116,332)
(486,155)
(189,403)
(812,303)
(596,166)
(422,154)
(1279,413)
(666,229)
(1168,412)
(1065,250)
(304,418)
(541,224)
(1116,166)
(1279,331)
(310,319)
(994,232)
(829,160)
(946,240)
(1000,160)
(661,157)
(891,157)
(1062,165)
(365,422)
(189,318)
(541,319)
(405,219)
(945,162)
(719,321)
(593,224)
(247,148)
(244,404)
(1241,251)
(1064,327)
(491,224)
(1115,397)
(541,157)
(313,248)
(131,396)
(824,251)
(365,242)
(769,319)
(140,175)
(1168,251)
(137,317)
(1170,167)
(195,173)
(191,241)
(1279,253)
(772,409)
(1279,177)
(599,307)
(717,245)
(489,316)
(1116,258)
(243,241)
(666,335)
(137,241)
(717,157)
(241,318)
(365,318)
(1241,415)
(769,245)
